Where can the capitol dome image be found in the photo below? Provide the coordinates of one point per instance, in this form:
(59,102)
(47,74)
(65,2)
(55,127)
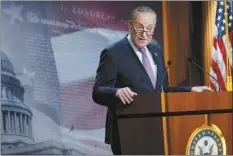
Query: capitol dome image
(27,130)
(16,118)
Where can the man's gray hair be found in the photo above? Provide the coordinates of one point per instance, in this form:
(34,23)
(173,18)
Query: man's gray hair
(142,9)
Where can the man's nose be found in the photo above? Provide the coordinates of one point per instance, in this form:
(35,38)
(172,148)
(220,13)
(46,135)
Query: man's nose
(144,34)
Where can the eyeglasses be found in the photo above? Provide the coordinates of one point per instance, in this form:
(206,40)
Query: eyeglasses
(140,30)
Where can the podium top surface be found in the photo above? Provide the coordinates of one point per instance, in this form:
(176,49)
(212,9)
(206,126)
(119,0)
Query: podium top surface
(178,102)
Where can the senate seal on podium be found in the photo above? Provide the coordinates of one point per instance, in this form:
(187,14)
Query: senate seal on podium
(206,140)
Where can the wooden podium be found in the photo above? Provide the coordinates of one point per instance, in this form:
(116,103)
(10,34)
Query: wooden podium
(162,123)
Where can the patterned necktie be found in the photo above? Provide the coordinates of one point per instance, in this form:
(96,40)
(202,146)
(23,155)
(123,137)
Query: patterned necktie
(147,65)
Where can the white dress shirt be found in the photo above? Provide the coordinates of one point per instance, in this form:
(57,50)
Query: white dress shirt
(139,54)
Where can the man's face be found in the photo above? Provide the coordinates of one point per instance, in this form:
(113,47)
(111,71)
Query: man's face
(141,28)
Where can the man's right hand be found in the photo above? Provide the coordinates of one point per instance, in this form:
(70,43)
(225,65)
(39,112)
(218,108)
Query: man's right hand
(125,95)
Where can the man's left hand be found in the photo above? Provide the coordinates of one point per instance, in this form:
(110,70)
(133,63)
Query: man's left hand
(201,89)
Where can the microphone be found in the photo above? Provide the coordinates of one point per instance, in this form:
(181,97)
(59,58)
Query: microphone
(191,61)
(169,62)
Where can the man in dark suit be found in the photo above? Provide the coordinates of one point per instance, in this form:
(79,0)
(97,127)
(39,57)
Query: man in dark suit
(132,66)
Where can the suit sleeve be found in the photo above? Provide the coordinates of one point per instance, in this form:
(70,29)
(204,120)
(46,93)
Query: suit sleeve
(104,88)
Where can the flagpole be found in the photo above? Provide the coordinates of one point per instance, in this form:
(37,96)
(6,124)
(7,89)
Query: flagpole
(228,66)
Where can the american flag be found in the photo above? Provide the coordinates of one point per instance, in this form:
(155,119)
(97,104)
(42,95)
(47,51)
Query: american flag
(222,45)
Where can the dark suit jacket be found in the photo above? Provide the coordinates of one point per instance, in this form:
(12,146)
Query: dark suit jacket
(120,67)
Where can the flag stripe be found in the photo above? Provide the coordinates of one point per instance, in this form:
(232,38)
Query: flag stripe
(212,85)
(217,71)
(230,39)
(215,43)
(222,49)
(218,59)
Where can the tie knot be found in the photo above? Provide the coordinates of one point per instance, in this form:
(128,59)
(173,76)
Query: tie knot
(142,50)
